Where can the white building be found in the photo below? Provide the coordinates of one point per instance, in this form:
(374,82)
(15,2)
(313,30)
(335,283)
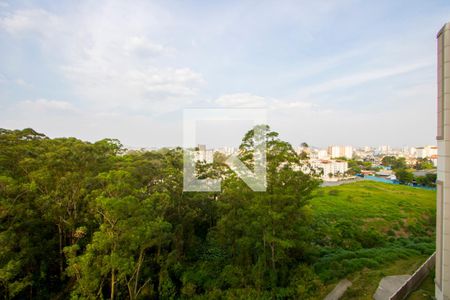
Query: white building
(340,151)
(331,170)
(322,154)
(319,154)
(204,155)
(384,149)
(426,152)
(409,151)
(227,150)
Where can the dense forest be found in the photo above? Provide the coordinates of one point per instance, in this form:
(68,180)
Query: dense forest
(85,220)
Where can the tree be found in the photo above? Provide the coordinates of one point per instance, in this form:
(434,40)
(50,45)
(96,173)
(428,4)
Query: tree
(427,180)
(424,163)
(404,176)
(90,220)
(388,161)
(266,232)
(354,166)
(394,163)
(130,226)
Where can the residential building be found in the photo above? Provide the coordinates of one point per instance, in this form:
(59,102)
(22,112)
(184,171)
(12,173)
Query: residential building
(204,155)
(409,151)
(319,154)
(331,170)
(322,154)
(442,277)
(384,149)
(434,160)
(227,150)
(340,151)
(426,152)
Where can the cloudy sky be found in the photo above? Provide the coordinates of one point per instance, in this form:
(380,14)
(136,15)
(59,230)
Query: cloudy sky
(328,72)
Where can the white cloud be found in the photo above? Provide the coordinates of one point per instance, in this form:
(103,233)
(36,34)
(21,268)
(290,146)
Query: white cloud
(62,119)
(22,82)
(248,100)
(288,104)
(358,78)
(125,62)
(19,81)
(111,64)
(112,85)
(144,48)
(46,105)
(244,100)
(34,21)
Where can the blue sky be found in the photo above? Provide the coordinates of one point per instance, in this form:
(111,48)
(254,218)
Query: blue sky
(328,72)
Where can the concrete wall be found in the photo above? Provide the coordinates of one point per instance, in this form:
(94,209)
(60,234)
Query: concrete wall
(443,170)
(415,280)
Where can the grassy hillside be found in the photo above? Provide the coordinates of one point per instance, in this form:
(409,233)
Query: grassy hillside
(385,207)
(367,230)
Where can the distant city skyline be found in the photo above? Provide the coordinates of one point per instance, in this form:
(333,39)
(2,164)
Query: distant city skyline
(344,72)
(380,149)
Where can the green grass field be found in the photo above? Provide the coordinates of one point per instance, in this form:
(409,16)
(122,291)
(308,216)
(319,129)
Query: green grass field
(367,230)
(378,205)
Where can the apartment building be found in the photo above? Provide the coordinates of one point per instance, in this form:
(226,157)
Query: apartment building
(204,155)
(426,152)
(319,154)
(340,151)
(384,149)
(331,169)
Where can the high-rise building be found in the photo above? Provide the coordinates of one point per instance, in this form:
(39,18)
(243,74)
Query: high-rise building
(384,149)
(322,154)
(204,155)
(410,151)
(442,278)
(340,151)
(426,152)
